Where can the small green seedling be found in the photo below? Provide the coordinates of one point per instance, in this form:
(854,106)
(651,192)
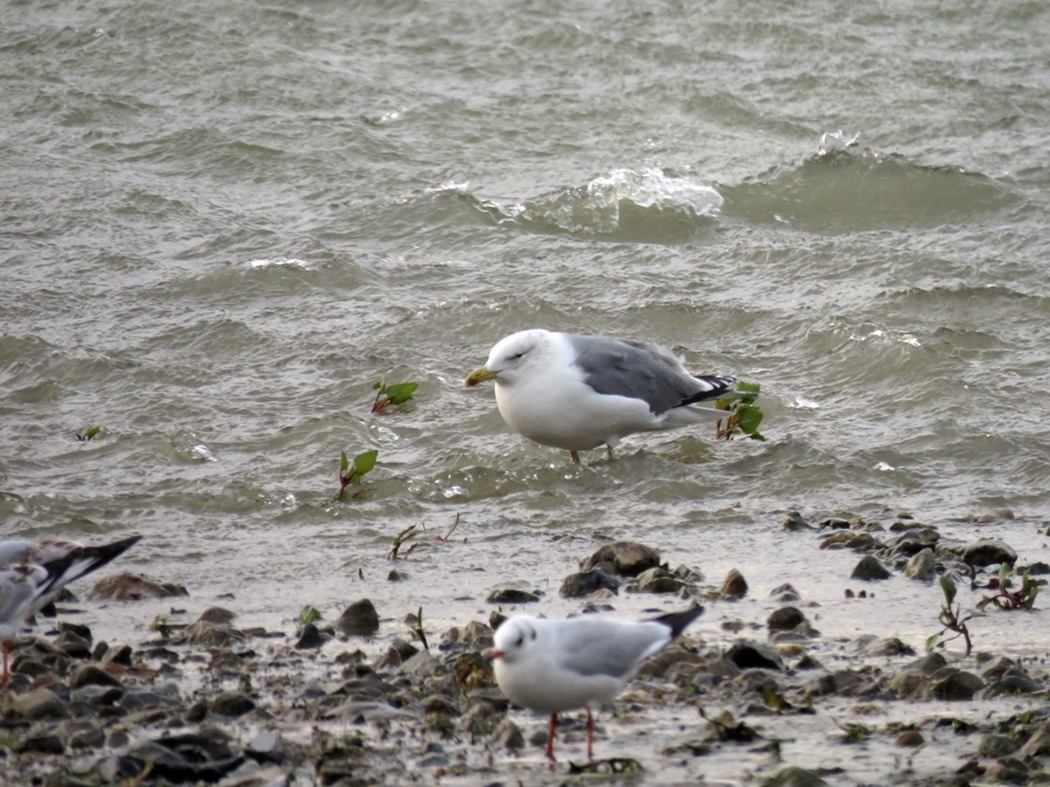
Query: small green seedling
(89,434)
(351,474)
(307,616)
(401,538)
(950,618)
(743,415)
(398,393)
(418,629)
(1006,597)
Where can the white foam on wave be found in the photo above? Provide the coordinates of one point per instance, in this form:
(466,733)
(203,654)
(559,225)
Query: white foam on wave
(289,262)
(652,188)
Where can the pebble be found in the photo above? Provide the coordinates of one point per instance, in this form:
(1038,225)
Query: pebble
(359,619)
(512,596)
(584,583)
(921,566)
(869,569)
(734,585)
(624,558)
(130,587)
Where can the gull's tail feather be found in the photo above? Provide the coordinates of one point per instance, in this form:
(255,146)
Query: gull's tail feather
(677,621)
(714,388)
(78,562)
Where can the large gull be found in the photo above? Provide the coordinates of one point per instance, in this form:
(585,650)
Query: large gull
(579,392)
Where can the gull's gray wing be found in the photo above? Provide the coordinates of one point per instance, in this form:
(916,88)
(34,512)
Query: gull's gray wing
(642,371)
(19,587)
(608,647)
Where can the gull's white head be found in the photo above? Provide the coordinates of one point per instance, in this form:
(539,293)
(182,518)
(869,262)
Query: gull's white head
(511,357)
(514,639)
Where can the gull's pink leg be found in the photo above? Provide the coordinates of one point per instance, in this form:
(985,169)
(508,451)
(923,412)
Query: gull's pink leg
(590,736)
(550,736)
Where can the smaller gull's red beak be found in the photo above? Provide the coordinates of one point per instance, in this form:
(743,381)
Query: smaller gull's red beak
(496,654)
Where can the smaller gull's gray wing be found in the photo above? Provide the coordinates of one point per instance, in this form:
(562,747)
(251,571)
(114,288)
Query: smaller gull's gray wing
(607,647)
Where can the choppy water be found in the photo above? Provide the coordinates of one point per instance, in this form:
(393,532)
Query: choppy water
(222,223)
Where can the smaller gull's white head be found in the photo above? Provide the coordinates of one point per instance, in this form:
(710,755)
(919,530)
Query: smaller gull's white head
(515,639)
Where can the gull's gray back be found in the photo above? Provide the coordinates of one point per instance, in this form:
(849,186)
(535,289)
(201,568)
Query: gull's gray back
(608,647)
(641,371)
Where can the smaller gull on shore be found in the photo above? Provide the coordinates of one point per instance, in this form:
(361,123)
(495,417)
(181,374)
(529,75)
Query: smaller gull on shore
(553,666)
(33,573)
(579,392)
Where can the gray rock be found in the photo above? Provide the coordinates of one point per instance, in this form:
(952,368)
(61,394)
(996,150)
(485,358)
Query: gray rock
(910,686)
(310,638)
(995,746)
(99,696)
(869,569)
(81,734)
(794,777)
(117,654)
(217,615)
(747,654)
(657,580)
(359,619)
(927,665)
(212,635)
(140,700)
(785,619)
(921,566)
(586,582)
(72,644)
(785,593)
(39,705)
(956,685)
(887,646)
(512,596)
(129,587)
(92,675)
(509,735)
(848,539)
(794,521)
(988,553)
(734,585)
(1015,682)
(41,743)
(625,558)
(232,703)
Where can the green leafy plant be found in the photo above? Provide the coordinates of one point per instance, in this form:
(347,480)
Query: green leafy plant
(1006,596)
(951,618)
(386,395)
(162,626)
(743,415)
(418,629)
(855,733)
(89,434)
(351,473)
(307,616)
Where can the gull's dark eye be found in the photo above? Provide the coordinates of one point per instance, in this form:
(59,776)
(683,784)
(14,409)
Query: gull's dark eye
(516,356)
(533,635)
(521,639)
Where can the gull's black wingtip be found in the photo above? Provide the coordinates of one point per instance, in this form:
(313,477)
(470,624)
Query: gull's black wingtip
(677,621)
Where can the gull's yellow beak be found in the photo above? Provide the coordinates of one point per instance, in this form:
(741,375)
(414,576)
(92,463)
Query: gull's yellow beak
(480,375)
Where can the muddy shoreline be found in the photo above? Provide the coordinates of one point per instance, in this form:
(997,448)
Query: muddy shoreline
(751,694)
